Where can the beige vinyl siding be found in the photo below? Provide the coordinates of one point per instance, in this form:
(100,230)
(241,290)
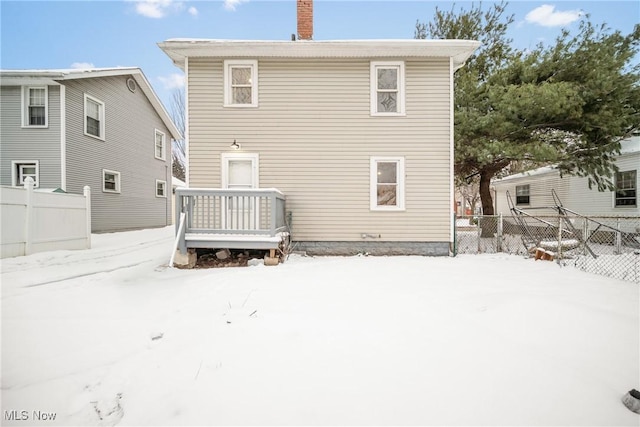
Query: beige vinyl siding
(25,143)
(315,136)
(128,148)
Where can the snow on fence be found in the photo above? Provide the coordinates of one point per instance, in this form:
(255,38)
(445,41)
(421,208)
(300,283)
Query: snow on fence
(609,246)
(36,221)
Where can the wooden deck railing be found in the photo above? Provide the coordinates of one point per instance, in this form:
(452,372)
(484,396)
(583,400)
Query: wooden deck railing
(221,213)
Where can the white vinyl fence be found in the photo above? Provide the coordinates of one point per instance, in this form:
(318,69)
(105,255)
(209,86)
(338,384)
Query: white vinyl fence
(35,221)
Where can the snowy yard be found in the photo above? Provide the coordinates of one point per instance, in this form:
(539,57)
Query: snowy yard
(112,336)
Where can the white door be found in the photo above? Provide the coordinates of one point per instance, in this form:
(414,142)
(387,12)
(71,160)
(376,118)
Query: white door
(240,171)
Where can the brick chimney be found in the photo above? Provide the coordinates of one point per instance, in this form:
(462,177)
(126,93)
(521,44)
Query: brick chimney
(305,19)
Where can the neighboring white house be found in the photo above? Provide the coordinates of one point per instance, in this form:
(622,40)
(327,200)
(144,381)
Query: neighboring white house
(103,128)
(357,134)
(533,189)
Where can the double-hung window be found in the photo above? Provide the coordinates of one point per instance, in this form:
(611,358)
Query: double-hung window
(240,83)
(35,105)
(387,183)
(160,145)
(23,169)
(110,181)
(161,188)
(522,194)
(93,117)
(387,88)
(626,189)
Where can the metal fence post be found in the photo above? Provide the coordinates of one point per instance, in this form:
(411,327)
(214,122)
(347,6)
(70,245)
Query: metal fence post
(618,238)
(455,234)
(499,234)
(585,235)
(479,221)
(559,254)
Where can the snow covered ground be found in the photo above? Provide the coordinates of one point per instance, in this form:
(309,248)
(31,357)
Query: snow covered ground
(112,336)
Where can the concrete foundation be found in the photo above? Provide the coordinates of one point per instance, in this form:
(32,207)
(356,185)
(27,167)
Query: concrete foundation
(373,248)
(187,260)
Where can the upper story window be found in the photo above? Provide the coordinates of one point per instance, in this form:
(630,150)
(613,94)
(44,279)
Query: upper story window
(240,83)
(160,145)
(626,189)
(522,194)
(387,183)
(23,169)
(35,102)
(387,88)
(93,117)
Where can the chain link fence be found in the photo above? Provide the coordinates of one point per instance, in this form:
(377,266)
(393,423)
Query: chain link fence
(609,246)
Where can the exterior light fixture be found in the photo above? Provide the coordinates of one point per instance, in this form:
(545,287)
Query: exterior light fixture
(235,145)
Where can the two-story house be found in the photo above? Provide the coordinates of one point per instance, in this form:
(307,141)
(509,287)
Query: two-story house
(104,128)
(357,134)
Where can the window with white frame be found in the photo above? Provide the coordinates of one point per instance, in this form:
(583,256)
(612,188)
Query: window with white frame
(626,189)
(387,183)
(387,88)
(35,102)
(160,145)
(241,83)
(161,188)
(522,194)
(23,169)
(110,181)
(93,117)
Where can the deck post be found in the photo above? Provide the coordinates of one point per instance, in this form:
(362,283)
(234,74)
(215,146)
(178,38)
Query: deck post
(274,213)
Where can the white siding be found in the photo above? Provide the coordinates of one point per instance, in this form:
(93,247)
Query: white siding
(18,143)
(128,148)
(573,191)
(314,134)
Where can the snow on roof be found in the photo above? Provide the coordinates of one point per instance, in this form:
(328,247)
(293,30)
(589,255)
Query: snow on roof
(177,182)
(627,146)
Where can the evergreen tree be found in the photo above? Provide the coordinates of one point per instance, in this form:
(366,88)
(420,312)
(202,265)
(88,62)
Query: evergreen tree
(568,104)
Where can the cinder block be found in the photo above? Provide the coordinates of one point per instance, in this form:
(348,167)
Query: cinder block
(187,260)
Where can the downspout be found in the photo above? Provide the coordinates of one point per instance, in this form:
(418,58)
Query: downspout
(451,149)
(186,122)
(63,137)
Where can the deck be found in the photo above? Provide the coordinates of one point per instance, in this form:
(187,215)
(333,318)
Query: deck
(230,219)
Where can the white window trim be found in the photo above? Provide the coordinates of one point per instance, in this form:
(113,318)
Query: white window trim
(118,181)
(228,97)
(25,107)
(374,87)
(528,194)
(615,190)
(225,157)
(102,117)
(400,175)
(164,195)
(164,145)
(15,178)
